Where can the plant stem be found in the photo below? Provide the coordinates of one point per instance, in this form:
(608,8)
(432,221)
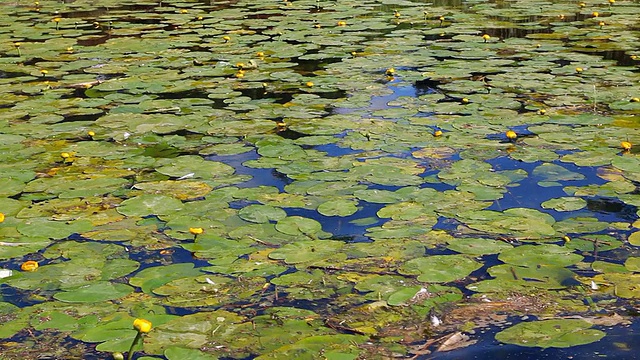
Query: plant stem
(133,344)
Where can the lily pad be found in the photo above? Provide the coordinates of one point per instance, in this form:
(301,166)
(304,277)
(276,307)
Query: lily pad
(153,277)
(338,207)
(560,333)
(261,213)
(96,292)
(535,255)
(440,268)
(478,246)
(565,204)
(307,251)
(148,204)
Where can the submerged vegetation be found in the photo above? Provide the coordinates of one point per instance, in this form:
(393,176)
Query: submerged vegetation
(315,178)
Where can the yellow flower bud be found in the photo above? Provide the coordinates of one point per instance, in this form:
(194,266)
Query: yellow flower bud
(65,155)
(309,84)
(1,217)
(486,37)
(91,133)
(437,133)
(579,69)
(511,135)
(29,265)
(342,23)
(625,145)
(226,38)
(142,325)
(196,231)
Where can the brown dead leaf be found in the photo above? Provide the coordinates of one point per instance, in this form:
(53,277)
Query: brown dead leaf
(457,340)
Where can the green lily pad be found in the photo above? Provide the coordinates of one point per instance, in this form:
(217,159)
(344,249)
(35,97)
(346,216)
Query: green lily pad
(40,227)
(594,243)
(535,255)
(307,251)
(634,238)
(261,213)
(338,207)
(633,264)
(148,204)
(200,168)
(153,277)
(297,225)
(565,204)
(552,175)
(440,268)
(625,284)
(477,246)
(96,292)
(560,333)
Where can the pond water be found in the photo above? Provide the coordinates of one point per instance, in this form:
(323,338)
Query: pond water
(319,179)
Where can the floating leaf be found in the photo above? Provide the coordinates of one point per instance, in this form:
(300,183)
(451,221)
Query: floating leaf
(338,207)
(307,251)
(634,238)
(565,204)
(40,227)
(148,204)
(477,246)
(96,292)
(201,168)
(552,175)
(297,225)
(440,268)
(560,333)
(261,213)
(535,255)
(153,277)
